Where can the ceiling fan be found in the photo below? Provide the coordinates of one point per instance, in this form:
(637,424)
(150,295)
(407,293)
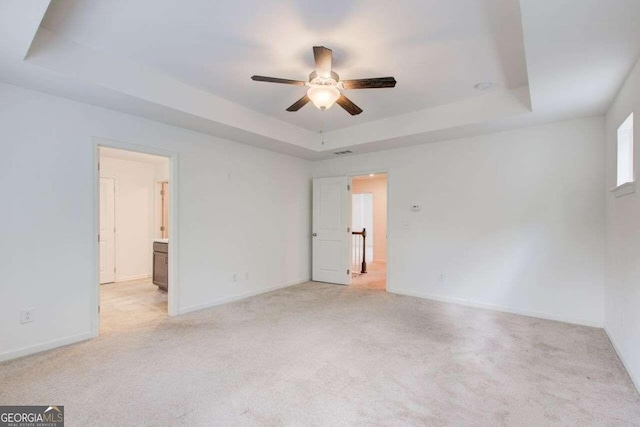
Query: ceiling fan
(325,85)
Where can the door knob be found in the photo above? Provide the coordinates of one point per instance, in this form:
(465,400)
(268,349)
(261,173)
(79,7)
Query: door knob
(314,234)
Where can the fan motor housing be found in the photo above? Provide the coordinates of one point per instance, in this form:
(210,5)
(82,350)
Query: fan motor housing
(314,79)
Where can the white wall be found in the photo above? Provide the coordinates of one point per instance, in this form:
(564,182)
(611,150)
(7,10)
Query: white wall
(240,209)
(623,237)
(162,172)
(514,220)
(134,214)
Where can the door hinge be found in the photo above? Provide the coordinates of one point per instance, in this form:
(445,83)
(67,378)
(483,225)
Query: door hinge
(98,237)
(162,192)
(348,271)
(348,187)
(98,309)
(162,228)
(98,165)
(348,229)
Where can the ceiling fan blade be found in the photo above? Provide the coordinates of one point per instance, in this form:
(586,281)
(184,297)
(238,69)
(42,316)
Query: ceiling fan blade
(346,103)
(376,83)
(323,57)
(299,103)
(277,80)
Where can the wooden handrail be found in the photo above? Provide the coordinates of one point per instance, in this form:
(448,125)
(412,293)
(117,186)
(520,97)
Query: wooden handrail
(363,233)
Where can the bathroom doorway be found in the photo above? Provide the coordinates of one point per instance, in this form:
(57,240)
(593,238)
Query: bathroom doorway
(134,217)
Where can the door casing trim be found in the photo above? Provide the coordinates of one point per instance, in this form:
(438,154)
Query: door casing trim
(174,288)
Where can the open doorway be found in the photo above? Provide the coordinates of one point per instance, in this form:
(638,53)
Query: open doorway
(369,231)
(133,219)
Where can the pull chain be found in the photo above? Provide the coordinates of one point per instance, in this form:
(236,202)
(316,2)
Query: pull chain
(322,127)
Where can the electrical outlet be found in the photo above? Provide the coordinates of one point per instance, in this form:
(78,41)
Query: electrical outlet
(406,225)
(27,315)
(441,278)
(235,277)
(246,276)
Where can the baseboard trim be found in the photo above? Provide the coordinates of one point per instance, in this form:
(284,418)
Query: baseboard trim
(49,345)
(635,380)
(500,308)
(232,298)
(134,277)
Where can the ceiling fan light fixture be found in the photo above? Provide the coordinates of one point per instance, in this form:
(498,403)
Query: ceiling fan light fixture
(323,96)
(325,85)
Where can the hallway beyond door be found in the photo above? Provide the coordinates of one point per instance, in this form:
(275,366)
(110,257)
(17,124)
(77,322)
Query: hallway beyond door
(369,217)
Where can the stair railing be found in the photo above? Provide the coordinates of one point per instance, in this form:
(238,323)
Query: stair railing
(360,250)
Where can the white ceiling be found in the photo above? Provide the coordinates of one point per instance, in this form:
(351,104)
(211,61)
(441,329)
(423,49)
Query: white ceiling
(369,177)
(436,50)
(189,63)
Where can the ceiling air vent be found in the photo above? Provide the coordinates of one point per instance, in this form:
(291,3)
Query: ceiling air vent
(342,153)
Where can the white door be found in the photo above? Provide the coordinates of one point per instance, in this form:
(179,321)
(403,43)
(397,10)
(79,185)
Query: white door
(331,230)
(107,230)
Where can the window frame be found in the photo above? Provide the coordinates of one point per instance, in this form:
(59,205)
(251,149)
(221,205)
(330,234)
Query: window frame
(625,184)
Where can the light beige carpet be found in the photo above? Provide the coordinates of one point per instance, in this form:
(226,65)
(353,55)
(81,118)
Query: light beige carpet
(319,354)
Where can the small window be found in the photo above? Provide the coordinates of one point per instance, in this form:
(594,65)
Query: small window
(625,151)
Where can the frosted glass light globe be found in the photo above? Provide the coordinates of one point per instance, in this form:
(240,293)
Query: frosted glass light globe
(323,96)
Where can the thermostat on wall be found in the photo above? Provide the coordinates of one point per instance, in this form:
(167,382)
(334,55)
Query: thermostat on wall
(416,208)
